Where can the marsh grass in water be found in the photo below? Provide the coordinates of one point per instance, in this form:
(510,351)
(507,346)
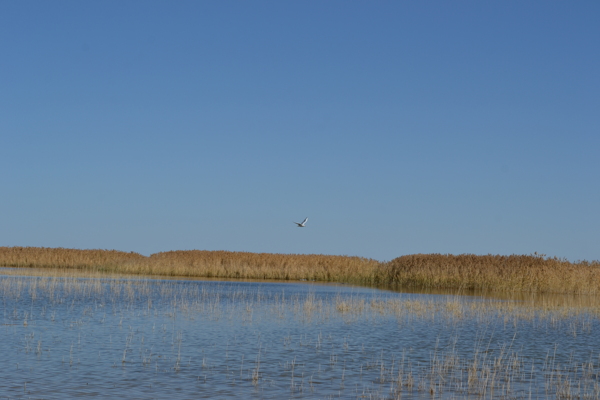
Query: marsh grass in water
(514,273)
(523,273)
(197,263)
(70,336)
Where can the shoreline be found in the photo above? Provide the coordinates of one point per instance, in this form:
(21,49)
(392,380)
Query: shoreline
(489,273)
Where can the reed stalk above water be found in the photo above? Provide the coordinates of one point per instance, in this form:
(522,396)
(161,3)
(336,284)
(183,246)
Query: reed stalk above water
(514,273)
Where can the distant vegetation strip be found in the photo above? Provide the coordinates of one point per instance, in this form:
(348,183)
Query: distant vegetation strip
(514,273)
(200,263)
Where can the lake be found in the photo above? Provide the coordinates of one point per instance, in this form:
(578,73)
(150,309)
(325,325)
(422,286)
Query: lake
(139,338)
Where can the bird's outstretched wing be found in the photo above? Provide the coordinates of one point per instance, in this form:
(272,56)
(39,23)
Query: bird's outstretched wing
(301,224)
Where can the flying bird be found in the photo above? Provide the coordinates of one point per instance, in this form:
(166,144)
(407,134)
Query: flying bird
(301,224)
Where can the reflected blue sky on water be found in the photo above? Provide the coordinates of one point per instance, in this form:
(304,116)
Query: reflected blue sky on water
(215,339)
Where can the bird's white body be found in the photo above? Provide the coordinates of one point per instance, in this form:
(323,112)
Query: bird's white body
(301,224)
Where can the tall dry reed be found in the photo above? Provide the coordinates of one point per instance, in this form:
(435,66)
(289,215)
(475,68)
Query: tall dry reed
(198,263)
(514,273)
(46,257)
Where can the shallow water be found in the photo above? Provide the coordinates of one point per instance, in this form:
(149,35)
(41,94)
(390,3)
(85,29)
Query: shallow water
(163,339)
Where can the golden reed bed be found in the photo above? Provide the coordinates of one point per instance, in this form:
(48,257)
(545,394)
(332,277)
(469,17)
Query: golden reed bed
(515,273)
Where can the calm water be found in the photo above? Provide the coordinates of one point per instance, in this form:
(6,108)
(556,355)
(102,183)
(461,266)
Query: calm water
(166,339)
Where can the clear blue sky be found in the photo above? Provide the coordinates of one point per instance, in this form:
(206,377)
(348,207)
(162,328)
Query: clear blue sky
(396,127)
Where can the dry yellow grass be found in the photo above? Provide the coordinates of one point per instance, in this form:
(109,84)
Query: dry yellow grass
(226,264)
(46,257)
(515,273)
(197,263)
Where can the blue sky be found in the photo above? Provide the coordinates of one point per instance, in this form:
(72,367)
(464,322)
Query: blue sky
(396,127)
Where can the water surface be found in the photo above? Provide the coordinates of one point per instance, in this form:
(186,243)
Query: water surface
(164,339)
